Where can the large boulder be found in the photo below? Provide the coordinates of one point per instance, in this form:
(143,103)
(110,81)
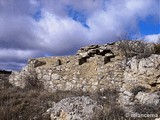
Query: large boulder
(74,108)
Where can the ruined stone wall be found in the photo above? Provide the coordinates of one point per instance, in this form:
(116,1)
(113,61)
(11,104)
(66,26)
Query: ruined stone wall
(90,76)
(98,68)
(90,70)
(93,68)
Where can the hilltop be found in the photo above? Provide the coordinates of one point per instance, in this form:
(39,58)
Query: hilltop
(129,71)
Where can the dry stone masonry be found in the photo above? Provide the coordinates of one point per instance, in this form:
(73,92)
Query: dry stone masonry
(96,68)
(91,69)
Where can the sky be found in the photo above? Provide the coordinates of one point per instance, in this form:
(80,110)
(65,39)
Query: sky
(40,28)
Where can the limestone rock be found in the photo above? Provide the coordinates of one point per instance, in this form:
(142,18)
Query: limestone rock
(17,79)
(157,119)
(93,50)
(57,62)
(55,76)
(144,71)
(47,77)
(74,108)
(148,98)
(36,63)
(84,55)
(125,98)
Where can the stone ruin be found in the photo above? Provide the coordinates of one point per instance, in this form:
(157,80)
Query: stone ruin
(89,70)
(96,68)
(93,50)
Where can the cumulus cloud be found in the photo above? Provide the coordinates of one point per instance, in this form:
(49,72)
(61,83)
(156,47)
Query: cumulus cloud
(33,28)
(7,55)
(61,35)
(59,7)
(118,18)
(152,38)
(107,20)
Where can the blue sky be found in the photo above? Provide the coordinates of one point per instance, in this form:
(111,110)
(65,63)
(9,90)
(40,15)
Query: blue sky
(78,16)
(37,15)
(146,27)
(149,26)
(37,28)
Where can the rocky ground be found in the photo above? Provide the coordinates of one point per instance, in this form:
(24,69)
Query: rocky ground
(37,104)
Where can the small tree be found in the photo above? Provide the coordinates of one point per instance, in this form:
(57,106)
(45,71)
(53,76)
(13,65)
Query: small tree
(158,39)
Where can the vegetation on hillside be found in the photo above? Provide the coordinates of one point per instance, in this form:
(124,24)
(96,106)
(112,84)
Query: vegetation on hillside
(31,103)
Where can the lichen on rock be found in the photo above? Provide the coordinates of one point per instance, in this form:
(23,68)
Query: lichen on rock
(74,108)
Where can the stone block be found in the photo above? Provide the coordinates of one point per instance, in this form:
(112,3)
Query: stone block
(55,76)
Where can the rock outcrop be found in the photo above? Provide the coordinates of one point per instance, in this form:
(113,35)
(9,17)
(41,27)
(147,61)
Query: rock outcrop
(74,108)
(148,98)
(124,66)
(141,76)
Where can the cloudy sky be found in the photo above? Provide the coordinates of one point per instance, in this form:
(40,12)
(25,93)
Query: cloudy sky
(36,28)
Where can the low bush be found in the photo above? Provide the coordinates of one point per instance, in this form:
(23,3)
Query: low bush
(112,110)
(147,109)
(157,48)
(137,89)
(31,103)
(139,49)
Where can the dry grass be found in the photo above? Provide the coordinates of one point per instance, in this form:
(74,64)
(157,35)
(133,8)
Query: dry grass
(28,104)
(112,111)
(31,103)
(18,104)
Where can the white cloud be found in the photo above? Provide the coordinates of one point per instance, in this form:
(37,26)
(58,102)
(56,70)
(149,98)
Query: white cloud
(61,35)
(152,38)
(106,21)
(58,7)
(56,33)
(13,54)
(118,18)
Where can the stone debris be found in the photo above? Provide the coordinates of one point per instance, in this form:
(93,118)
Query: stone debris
(36,63)
(148,98)
(74,108)
(90,51)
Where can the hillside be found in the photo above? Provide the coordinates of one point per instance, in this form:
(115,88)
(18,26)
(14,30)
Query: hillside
(113,79)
